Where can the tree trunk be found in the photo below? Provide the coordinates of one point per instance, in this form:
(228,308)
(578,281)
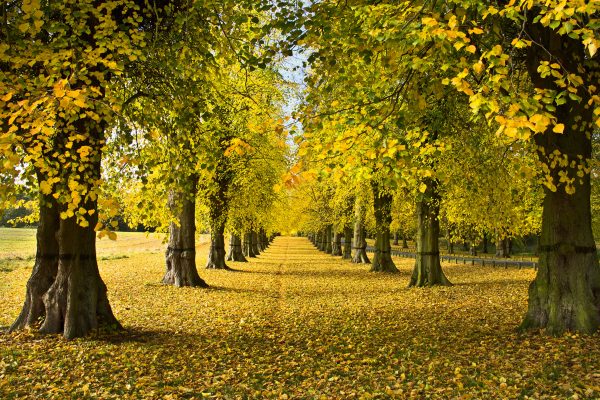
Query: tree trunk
(248,251)
(255,248)
(473,249)
(45,267)
(404,242)
(396,242)
(181,250)
(235,249)
(502,248)
(336,246)
(328,234)
(264,240)
(216,253)
(76,303)
(485,243)
(565,295)
(428,270)
(321,240)
(359,243)
(218,207)
(347,254)
(382,260)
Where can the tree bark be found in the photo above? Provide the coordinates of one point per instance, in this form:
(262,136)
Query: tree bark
(396,242)
(264,240)
(255,244)
(320,240)
(428,270)
(565,295)
(216,253)
(485,243)
(248,252)
(235,249)
(359,243)
(382,260)
(473,249)
(181,250)
(502,248)
(218,207)
(404,242)
(328,234)
(45,267)
(336,246)
(347,254)
(76,303)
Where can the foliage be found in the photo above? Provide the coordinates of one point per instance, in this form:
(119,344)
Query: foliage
(58,62)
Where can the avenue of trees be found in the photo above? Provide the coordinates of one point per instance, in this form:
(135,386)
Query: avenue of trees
(473,122)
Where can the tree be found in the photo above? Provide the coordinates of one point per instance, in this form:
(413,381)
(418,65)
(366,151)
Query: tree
(181,249)
(382,202)
(58,62)
(487,52)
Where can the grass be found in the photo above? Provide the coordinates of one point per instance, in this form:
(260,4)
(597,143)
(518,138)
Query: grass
(296,323)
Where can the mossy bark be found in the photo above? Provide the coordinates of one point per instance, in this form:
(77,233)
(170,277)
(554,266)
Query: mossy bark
(235,249)
(45,267)
(428,269)
(565,295)
(181,249)
(382,260)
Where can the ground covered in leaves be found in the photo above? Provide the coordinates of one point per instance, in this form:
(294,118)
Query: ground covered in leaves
(293,323)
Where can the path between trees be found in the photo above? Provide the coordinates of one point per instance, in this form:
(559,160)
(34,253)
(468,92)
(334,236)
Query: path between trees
(299,323)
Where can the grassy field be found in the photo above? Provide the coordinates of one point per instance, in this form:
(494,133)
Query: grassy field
(292,323)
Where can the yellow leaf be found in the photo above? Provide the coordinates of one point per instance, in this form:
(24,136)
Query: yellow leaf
(422,188)
(592,48)
(7,96)
(559,128)
(80,102)
(45,187)
(478,67)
